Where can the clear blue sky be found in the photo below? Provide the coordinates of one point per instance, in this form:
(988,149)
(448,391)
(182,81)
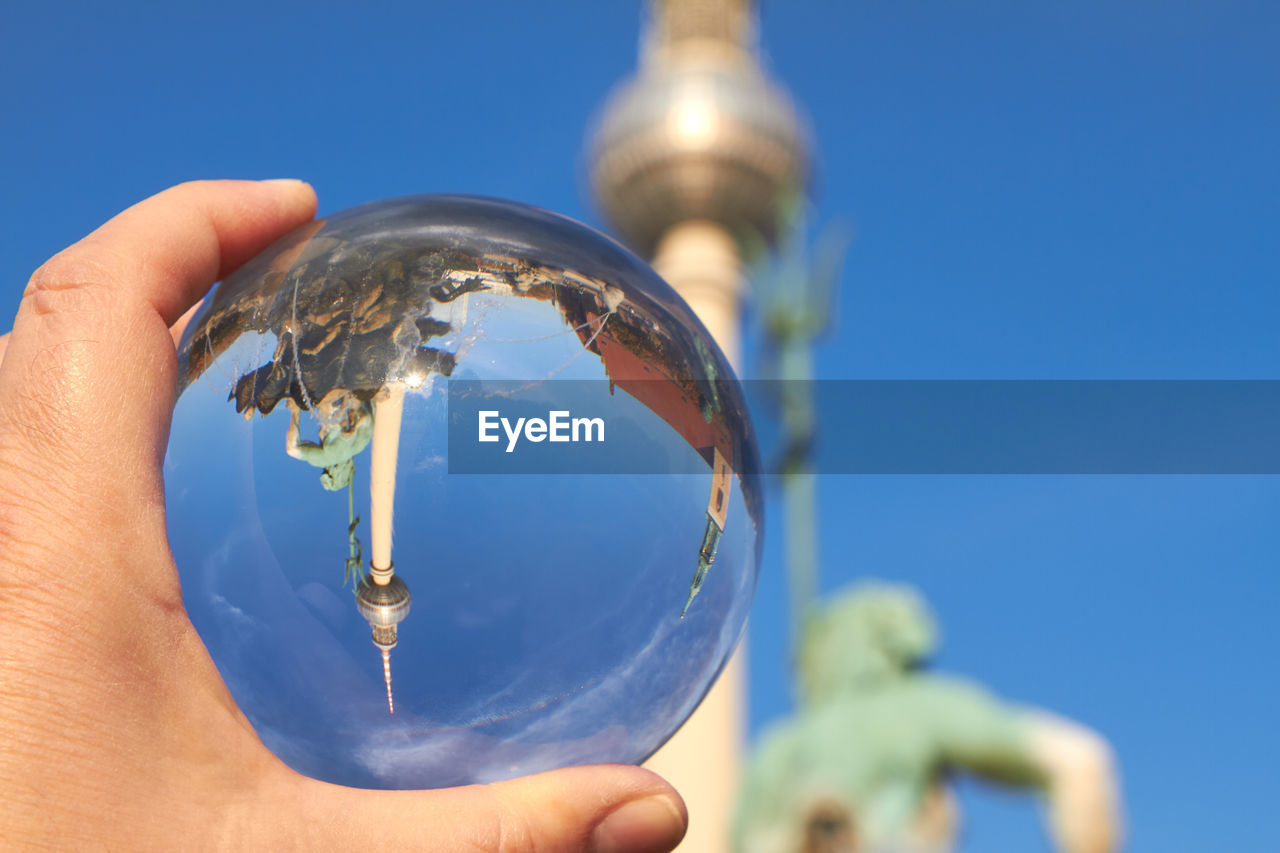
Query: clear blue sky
(1078,190)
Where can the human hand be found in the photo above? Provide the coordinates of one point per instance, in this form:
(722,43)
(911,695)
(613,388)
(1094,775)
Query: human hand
(116,730)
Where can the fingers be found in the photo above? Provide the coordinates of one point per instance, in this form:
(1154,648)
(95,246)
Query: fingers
(602,809)
(168,249)
(86,385)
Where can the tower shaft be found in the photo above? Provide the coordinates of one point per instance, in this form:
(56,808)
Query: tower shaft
(382,475)
(687,160)
(699,258)
(684,29)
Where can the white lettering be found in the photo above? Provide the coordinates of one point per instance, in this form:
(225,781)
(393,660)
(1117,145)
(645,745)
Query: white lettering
(513,435)
(486,424)
(559,426)
(587,424)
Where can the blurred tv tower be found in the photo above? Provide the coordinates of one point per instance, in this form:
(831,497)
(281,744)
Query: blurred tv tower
(689,160)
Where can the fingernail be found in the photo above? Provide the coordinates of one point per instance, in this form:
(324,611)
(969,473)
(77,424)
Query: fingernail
(651,825)
(285,182)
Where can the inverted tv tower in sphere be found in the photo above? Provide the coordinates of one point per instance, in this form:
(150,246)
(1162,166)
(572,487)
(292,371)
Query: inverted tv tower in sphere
(688,157)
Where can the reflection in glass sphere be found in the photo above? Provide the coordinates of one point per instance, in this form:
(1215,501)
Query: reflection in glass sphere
(387,621)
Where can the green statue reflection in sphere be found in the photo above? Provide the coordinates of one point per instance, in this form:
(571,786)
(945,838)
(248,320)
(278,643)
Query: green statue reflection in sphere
(386,619)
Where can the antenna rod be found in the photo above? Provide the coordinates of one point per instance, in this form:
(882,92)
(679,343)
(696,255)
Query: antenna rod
(386,674)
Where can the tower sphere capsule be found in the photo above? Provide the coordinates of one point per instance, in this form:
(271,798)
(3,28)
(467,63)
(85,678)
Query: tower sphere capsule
(713,140)
(383,606)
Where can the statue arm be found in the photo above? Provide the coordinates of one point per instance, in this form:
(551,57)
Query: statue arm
(308,451)
(1069,762)
(981,735)
(1084,812)
(293,445)
(334,449)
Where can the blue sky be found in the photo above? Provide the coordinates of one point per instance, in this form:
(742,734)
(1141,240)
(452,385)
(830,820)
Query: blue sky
(1083,190)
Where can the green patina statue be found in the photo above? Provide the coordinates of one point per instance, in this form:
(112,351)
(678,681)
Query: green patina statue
(862,766)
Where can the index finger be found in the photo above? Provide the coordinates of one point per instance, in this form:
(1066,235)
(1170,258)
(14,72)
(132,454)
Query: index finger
(86,385)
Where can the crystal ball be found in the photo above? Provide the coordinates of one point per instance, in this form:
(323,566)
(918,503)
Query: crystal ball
(459,490)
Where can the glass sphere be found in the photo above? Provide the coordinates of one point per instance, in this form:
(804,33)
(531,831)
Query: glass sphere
(395,603)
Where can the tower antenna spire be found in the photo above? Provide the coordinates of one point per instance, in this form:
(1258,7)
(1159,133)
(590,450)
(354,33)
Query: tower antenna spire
(386,675)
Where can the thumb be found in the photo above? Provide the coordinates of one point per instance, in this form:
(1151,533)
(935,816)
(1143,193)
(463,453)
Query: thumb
(599,809)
